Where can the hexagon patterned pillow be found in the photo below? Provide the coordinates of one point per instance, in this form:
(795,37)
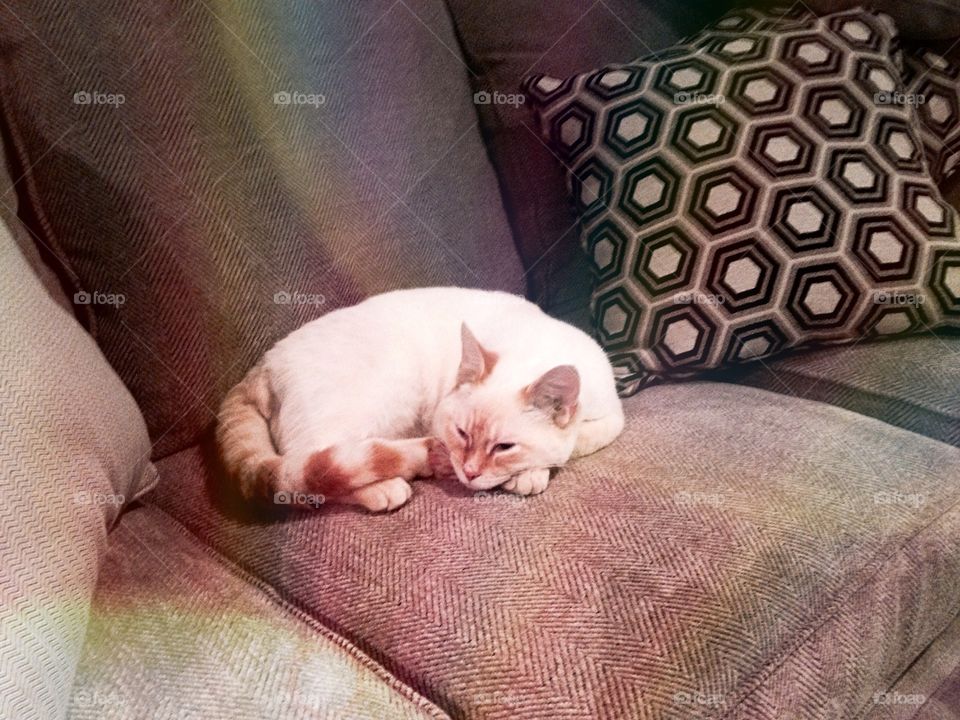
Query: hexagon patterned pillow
(933,87)
(757,188)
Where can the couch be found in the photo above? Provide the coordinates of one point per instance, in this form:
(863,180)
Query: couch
(188,182)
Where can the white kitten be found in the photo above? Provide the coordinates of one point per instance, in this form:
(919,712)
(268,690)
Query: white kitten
(411,384)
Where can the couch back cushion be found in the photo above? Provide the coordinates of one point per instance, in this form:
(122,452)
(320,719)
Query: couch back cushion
(507,40)
(215,175)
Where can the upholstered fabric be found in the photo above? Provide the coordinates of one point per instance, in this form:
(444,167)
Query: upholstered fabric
(235,170)
(73,450)
(177,633)
(506,40)
(38,257)
(930,688)
(913,383)
(924,20)
(734,554)
(753,191)
(933,88)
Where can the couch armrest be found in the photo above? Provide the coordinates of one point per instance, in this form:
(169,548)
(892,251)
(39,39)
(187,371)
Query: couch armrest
(73,450)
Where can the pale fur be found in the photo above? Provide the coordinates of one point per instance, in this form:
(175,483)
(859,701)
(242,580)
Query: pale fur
(358,380)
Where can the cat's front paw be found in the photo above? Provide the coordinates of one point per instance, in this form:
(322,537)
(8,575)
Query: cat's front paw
(528,482)
(382,496)
(439,461)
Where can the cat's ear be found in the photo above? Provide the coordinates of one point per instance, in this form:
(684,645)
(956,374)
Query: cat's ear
(476,362)
(556,393)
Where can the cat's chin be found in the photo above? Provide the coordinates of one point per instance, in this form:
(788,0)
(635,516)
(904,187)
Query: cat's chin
(481,483)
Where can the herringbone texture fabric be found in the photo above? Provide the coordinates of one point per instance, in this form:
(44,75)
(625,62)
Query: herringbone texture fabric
(175,634)
(266,164)
(930,688)
(735,554)
(73,448)
(911,383)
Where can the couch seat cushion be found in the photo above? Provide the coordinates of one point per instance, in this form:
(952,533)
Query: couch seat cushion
(930,689)
(736,553)
(176,632)
(913,383)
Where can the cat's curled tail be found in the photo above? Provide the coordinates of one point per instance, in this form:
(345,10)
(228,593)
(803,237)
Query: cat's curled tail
(371,472)
(243,436)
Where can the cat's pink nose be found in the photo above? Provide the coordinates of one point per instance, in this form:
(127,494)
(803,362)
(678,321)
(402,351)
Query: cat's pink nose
(470,472)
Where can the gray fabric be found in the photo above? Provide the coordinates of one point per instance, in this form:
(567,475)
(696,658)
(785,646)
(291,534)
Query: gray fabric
(736,553)
(913,383)
(33,249)
(920,20)
(930,688)
(175,633)
(73,449)
(267,164)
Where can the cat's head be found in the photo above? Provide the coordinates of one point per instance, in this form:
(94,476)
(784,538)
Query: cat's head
(495,425)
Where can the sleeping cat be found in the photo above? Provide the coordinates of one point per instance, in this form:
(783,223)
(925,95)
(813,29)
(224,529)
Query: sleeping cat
(418,383)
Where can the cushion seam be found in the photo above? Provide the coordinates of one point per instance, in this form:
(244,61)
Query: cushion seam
(391,680)
(866,708)
(66,273)
(838,602)
(891,399)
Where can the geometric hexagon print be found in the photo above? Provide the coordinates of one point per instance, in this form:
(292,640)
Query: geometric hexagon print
(933,86)
(761,186)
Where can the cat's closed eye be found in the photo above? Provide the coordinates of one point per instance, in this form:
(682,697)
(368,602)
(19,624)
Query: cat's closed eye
(503,447)
(462,433)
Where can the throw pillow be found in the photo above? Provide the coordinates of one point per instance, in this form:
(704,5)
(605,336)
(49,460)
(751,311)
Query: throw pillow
(933,87)
(920,19)
(751,190)
(73,451)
